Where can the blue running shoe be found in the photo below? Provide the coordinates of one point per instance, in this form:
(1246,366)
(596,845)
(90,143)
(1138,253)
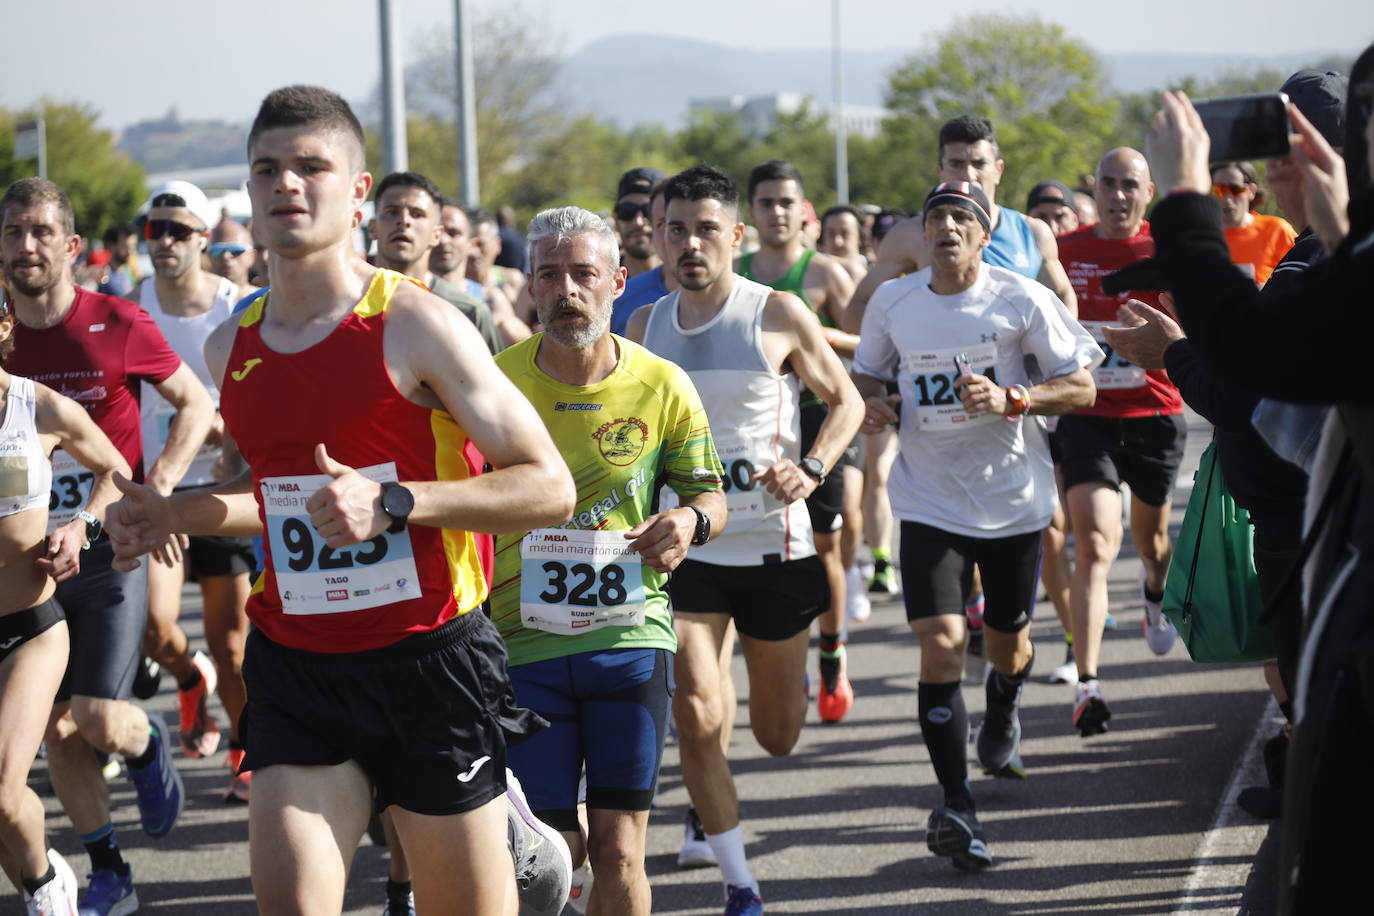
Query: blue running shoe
(159,788)
(109,895)
(742,901)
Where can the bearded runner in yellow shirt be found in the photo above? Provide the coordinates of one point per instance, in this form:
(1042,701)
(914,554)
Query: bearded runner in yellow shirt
(583,607)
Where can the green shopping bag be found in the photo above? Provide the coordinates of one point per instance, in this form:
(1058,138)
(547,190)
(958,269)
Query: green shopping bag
(1212,593)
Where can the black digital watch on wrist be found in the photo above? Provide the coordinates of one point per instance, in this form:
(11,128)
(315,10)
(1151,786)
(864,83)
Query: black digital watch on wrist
(813,468)
(397,503)
(703,529)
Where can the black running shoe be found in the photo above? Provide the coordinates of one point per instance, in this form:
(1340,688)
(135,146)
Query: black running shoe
(958,835)
(147,679)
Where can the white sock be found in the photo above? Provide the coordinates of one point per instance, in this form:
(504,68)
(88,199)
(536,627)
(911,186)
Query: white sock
(729,850)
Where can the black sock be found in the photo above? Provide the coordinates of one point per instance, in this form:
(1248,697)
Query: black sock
(1153,597)
(944,725)
(398,895)
(1006,689)
(33,884)
(1084,678)
(145,759)
(1286,707)
(829,642)
(191,681)
(103,848)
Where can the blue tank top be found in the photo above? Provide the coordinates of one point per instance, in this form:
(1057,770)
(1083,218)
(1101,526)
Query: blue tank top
(1013,245)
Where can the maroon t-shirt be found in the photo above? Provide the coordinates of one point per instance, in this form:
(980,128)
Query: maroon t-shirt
(1087,259)
(99,355)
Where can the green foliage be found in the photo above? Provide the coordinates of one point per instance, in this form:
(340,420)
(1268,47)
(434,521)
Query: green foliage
(104,185)
(1042,89)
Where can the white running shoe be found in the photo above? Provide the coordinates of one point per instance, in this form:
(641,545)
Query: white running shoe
(695,852)
(857,606)
(543,863)
(1066,673)
(581,888)
(1090,709)
(58,896)
(1158,630)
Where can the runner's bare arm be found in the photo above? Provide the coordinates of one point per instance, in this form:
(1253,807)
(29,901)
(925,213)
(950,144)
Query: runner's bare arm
(786,318)
(902,251)
(837,289)
(661,540)
(435,358)
(190,426)
(880,408)
(638,323)
(1052,273)
(508,323)
(65,424)
(1053,396)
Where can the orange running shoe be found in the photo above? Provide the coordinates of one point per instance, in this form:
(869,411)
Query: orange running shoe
(199,733)
(836,695)
(239,782)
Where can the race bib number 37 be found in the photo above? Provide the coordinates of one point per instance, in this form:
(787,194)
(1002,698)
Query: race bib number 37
(575,581)
(71,489)
(314,578)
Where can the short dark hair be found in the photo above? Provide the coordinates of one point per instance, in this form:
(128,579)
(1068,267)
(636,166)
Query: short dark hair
(772,170)
(844,208)
(477,217)
(410,180)
(118,231)
(29,192)
(296,106)
(966,129)
(702,182)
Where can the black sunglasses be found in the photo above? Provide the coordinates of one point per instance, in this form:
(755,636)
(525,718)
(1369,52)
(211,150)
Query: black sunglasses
(625,211)
(157,228)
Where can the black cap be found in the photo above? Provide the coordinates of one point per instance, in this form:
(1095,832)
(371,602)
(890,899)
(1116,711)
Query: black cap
(639,181)
(1320,96)
(964,194)
(1038,195)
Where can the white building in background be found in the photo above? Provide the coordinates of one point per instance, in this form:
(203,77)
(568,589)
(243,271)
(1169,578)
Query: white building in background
(759,113)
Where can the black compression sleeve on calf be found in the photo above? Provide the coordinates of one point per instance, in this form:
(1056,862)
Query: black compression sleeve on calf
(944,725)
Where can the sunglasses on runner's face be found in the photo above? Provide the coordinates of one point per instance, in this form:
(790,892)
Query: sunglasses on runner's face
(223,248)
(157,228)
(1229,190)
(625,211)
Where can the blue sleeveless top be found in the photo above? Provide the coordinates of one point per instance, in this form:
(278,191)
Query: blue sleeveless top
(1013,245)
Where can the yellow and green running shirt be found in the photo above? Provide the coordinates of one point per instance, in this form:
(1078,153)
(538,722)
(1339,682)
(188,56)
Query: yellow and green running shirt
(638,429)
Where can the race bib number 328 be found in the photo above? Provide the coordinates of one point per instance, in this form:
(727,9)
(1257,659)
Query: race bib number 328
(575,581)
(314,578)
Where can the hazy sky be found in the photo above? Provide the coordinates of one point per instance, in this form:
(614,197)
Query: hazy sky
(136,59)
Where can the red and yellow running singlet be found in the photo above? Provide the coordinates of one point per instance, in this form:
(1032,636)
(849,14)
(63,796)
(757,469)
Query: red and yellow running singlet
(278,406)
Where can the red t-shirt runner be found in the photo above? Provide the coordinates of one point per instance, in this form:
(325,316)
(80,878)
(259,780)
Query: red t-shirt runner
(278,406)
(1123,390)
(99,355)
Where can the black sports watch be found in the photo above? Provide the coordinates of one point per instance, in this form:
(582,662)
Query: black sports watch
(703,530)
(93,528)
(397,503)
(813,467)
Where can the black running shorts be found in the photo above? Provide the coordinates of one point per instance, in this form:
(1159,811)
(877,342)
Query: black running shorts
(427,718)
(19,627)
(1143,452)
(106,614)
(774,601)
(937,572)
(213,555)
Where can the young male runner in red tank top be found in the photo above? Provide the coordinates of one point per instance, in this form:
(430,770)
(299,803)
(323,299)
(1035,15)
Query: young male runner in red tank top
(351,392)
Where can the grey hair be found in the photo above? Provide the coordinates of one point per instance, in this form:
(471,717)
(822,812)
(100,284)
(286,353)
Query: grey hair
(561,223)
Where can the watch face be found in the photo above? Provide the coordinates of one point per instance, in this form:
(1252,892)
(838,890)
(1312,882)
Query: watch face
(397,501)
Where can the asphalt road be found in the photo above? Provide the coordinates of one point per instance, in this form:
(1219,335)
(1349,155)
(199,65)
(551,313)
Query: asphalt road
(1140,820)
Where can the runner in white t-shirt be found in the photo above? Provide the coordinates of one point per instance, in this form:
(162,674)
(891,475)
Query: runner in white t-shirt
(971,484)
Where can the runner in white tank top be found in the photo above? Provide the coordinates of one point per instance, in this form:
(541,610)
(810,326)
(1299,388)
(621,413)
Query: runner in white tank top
(33,630)
(746,349)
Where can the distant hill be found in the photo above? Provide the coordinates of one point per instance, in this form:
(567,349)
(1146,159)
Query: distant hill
(628,80)
(647,79)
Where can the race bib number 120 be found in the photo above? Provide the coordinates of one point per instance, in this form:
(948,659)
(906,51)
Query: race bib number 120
(314,578)
(574,581)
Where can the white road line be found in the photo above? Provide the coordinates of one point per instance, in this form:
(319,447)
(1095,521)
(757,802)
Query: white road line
(1233,835)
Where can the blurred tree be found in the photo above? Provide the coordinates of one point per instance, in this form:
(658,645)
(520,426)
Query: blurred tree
(104,185)
(1044,91)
